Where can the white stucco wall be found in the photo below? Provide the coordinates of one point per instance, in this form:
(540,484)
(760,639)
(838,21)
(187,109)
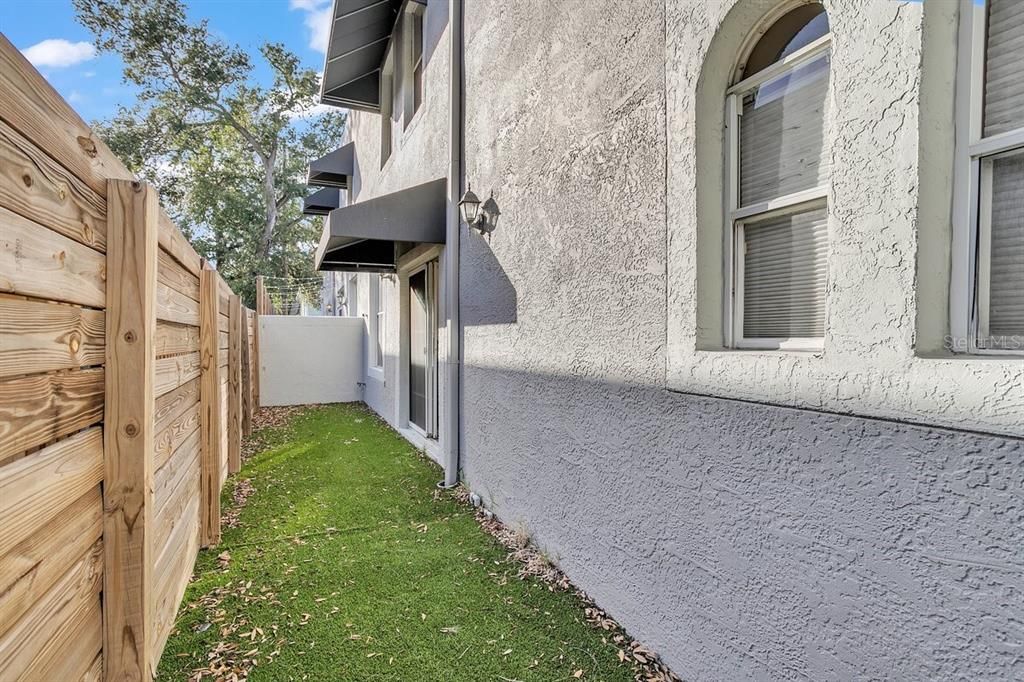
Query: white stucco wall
(305,360)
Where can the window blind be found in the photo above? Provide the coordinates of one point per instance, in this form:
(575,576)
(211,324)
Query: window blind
(782,134)
(1006,267)
(1004,78)
(784,276)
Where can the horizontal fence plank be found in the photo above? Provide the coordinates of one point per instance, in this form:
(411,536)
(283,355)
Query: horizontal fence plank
(173,306)
(174,339)
(32,566)
(70,654)
(174,275)
(177,432)
(30,104)
(36,488)
(172,572)
(40,337)
(175,487)
(172,404)
(40,408)
(223,340)
(174,243)
(174,371)
(35,186)
(168,477)
(28,646)
(36,261)
(95,671)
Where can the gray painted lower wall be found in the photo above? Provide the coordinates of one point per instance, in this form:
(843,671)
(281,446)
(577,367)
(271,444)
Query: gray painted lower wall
(745,541)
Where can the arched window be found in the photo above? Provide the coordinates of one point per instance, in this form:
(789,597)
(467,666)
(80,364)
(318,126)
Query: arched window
(777,185)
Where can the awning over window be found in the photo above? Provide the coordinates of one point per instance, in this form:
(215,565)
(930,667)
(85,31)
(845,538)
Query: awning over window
(333,169)
(322,201)
(362,237)
(360,31)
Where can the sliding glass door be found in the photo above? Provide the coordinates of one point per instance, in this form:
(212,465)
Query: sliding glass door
(423,350)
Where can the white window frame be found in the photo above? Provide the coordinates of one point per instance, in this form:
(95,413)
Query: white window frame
(414,13)
(352,295)
(387,85)
(377,322)
(968,294)
(737,216)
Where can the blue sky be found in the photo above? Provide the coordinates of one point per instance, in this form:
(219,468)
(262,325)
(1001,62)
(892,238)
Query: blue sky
(47,32)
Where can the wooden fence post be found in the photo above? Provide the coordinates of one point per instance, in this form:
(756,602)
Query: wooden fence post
(132,211)
(209,406)
(234,384)
(261,296)
(256,361)
(246,376)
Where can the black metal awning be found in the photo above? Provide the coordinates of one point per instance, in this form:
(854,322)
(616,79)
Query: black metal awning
(322,201)
(333,169)
(363,236)
(360,32)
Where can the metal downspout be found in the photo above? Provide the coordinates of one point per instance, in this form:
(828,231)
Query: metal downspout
(454,229)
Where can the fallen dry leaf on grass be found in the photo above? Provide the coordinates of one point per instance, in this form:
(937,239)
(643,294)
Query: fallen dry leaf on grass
(647,666)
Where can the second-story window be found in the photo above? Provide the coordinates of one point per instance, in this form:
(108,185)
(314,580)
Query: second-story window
(778,185)
(991,158)
(387,111)
(414,60)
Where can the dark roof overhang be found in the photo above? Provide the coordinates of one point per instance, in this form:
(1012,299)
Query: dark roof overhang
(322,201)
(333,169)
(363,236)
(360,33)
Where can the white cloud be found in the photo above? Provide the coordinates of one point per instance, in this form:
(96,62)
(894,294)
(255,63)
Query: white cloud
(317,20)
(307,5)
(75,97)
(58,53)
(311,112)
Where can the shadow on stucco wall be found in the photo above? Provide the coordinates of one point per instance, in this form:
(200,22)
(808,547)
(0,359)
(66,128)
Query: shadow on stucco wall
(750,541)
(494,299)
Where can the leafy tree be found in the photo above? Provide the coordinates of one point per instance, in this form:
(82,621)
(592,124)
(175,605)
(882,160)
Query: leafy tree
(227,153)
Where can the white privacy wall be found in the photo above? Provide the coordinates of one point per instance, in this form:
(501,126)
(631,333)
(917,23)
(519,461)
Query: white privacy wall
(306,360)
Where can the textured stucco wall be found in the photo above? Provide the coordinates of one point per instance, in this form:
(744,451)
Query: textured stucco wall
(740,540)
(751,542)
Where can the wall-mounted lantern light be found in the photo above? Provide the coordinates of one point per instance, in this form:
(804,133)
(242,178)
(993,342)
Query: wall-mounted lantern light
(481,217)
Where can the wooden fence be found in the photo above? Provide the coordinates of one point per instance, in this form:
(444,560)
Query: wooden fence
(126,383)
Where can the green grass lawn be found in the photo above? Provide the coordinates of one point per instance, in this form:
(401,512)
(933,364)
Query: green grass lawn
(346,565)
